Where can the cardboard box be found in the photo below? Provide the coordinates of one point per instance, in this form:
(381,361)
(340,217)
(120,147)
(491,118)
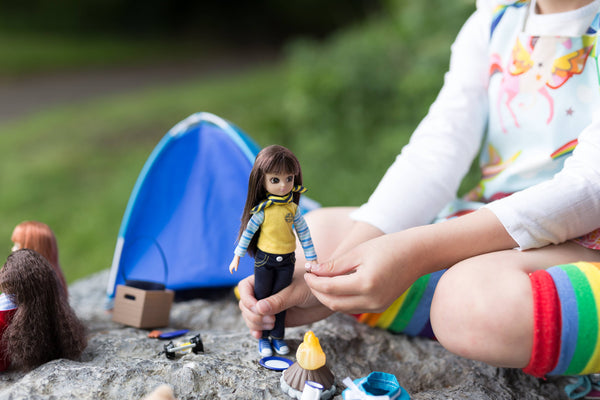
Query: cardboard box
(142,308)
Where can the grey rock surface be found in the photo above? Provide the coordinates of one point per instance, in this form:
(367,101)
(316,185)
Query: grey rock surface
(123,363)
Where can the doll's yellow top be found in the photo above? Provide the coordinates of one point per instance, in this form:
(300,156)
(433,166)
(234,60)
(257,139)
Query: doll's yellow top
(277,235)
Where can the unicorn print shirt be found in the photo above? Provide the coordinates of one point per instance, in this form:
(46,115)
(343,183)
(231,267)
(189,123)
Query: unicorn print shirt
(530,96)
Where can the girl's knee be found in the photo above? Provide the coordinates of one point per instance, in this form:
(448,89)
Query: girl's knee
(481,312)
(451,310)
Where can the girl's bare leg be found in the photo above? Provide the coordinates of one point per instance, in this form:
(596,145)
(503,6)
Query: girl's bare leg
(483,307)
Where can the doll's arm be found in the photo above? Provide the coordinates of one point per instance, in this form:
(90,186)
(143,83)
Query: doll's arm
(304,237)
(253,225)
(240,250)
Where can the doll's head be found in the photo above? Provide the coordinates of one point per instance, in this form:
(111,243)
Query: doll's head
(38,236)
(44,326)
(273,159)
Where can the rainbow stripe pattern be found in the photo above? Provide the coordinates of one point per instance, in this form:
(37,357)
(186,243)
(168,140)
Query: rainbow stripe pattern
(564,150)
(409,314)
(576,348)
(500,9)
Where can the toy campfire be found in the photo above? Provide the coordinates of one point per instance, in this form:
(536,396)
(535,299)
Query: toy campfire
(310,366)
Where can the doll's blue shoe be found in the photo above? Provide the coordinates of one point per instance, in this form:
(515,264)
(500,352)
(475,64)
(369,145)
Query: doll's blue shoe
(264,348)
(280,346)
(378,385)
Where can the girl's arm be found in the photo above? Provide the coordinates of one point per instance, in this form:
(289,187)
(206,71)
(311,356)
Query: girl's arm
(562,208)
(427,174)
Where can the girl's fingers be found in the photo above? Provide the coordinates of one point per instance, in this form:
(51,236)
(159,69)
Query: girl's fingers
(346,304)
(338,266)
(256,322)
(246,290)
(343,285)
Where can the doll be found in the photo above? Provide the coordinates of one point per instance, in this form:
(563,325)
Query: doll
(36,321)
(39,237)
(266,233)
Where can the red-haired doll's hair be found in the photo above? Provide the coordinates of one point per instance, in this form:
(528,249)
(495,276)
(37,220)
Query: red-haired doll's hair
(39,237)
(44,327)
(272,159)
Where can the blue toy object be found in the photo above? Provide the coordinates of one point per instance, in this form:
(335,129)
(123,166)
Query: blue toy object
(183,215)
(375,386)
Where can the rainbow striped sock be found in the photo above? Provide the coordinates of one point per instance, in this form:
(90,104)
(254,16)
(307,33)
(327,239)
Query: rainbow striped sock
(566,306)
(409,314)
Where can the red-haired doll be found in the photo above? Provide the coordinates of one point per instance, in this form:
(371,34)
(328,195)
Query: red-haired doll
(38,236)
(267,232)
(37,324)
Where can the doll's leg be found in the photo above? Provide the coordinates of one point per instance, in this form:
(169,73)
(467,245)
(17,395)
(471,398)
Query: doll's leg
(264,276)
(484,307)
(283,278)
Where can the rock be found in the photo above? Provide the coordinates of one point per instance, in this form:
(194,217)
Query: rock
(122,363)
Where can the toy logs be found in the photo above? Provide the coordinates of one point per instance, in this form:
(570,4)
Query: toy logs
(310,366)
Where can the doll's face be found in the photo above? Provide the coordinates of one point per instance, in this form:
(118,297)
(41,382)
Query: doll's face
(279,184)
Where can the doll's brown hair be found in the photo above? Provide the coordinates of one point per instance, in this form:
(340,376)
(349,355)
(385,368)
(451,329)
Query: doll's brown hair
(44,326)
(39,237)
(273,159)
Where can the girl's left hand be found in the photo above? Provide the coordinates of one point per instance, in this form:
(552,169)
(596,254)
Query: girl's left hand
(374,274)
(367,278)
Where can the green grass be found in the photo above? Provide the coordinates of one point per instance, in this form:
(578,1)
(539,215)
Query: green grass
(74,167)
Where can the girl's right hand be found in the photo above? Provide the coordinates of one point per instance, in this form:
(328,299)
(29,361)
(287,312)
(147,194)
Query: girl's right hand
(302,307)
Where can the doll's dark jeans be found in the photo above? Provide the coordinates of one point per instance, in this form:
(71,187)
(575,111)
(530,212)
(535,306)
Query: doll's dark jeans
(272,273)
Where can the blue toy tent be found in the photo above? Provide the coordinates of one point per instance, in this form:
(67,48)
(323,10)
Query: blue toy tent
(182,220)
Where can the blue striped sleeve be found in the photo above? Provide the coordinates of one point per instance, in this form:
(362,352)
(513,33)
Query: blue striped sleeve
(253,225)
(304,236)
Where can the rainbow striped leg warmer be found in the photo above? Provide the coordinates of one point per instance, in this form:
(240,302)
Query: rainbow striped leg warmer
(409,314)
(566,303)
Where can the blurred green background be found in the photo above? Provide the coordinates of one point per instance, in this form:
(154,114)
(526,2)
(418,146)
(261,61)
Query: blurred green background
(343,85)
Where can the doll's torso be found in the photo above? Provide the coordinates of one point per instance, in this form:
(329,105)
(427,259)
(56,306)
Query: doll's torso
(276,234)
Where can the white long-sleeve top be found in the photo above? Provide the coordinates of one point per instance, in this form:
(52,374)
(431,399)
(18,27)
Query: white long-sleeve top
(427,173)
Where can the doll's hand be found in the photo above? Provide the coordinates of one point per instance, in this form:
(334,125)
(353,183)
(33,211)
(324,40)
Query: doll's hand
(309,264)
(302,307)
(367,278)
(234,264)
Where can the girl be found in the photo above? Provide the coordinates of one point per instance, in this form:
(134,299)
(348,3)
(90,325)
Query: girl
(39,237)
(37,322)
(524,79)
(266,233)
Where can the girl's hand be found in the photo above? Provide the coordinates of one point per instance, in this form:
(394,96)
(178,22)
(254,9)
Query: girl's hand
(371,276)
(367,278)
(302,307)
